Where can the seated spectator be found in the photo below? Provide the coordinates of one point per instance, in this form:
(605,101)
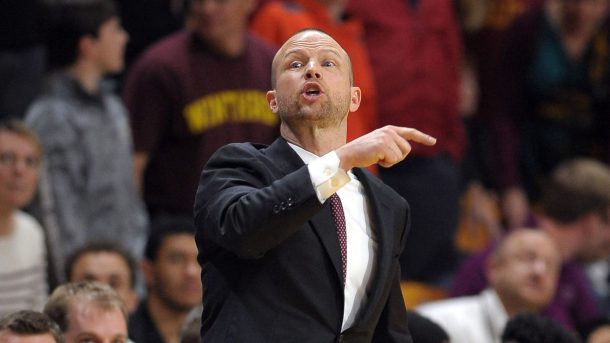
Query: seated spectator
(108,263)
(23,280)
(87,191)
(575,210)
(523,275)
(172,276)
(88,311)
(534,328)
(28,326)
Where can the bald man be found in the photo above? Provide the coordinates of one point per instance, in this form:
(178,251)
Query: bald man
(297,241)
(523,273)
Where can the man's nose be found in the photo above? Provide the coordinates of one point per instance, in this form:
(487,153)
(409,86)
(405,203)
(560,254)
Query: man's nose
(312,71)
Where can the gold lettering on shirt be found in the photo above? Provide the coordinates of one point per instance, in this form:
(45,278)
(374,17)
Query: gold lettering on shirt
(235,106)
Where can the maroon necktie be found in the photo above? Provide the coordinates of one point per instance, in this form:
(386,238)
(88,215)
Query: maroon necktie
(337,208)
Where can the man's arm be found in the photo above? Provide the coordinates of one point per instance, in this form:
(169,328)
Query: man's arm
(63,179)
(242,206)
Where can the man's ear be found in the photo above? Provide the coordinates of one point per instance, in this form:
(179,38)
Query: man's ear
(272,100)
(356,95)
(86,46)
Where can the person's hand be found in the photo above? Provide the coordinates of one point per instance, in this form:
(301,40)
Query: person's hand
(385,146)
(515,207)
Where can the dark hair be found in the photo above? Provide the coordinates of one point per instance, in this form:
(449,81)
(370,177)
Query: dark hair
(28,322)
(424,330)
(93,293)
(67,21)
(98,247)
(163,226)
(533,328)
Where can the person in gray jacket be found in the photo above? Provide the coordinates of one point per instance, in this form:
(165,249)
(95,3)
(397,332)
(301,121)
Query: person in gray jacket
(86,190)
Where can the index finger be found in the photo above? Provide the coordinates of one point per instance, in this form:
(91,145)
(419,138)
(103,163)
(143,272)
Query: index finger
(415,135)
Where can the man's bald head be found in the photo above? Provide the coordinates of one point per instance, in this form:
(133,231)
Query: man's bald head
(299,36)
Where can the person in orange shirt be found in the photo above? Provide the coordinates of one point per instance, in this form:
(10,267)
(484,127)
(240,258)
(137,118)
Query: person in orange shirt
(277,21)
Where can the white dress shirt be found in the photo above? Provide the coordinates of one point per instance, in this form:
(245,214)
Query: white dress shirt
(472,319)
(327,179)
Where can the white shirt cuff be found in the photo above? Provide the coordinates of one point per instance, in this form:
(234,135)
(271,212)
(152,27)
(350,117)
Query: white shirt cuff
(326,176)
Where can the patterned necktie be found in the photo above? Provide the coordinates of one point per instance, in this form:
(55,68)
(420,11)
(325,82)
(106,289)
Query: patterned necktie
(337,209)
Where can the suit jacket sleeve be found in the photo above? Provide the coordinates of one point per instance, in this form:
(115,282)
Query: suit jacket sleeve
(247,205)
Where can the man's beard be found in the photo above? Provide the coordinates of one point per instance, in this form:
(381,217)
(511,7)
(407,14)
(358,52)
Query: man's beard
(329,114)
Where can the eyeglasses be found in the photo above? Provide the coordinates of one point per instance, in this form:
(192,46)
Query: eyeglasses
(10,159)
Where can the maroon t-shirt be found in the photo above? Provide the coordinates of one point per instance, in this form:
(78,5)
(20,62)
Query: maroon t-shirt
(185,102)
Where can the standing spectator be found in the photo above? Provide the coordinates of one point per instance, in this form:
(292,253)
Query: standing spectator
(88,311)
(554,97)
(277,21)
(87,190)
(415,51)
(27,326)
(193,92)
(105,262)
(576,206)
(23,280)
(173,278)
(523,272)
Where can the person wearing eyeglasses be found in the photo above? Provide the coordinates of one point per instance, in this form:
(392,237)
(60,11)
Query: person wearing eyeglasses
(23,281)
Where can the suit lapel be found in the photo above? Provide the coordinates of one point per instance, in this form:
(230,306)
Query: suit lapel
(287,160)
(381,216)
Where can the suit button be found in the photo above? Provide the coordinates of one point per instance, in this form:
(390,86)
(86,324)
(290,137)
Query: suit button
(283,206)
(289,202)
(276,209)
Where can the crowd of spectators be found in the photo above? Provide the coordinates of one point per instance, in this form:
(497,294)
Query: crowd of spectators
(110,109)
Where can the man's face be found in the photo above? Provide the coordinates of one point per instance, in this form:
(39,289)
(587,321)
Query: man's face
(107,267)
(526,271)
(88,323)
(174,277)
(312,76)
(109,46)
(220,21)
(11,337)
(19,169)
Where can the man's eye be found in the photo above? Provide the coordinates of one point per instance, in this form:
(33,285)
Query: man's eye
(295,65)
(329,64)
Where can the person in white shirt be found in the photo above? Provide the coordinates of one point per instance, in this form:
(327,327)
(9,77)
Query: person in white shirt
(523,274)
(23,281)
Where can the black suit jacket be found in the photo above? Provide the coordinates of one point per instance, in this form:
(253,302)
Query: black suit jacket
(270,257)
